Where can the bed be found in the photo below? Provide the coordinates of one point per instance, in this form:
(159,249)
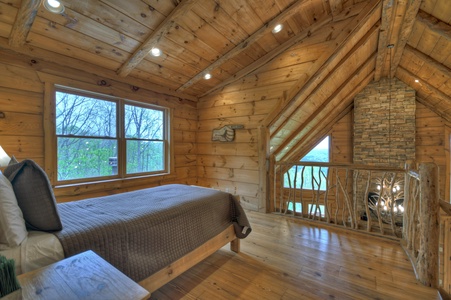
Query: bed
(151,235)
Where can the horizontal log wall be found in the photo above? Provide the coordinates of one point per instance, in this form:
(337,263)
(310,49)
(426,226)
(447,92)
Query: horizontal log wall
(22,129)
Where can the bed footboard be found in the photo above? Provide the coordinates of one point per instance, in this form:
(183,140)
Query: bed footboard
(160,278)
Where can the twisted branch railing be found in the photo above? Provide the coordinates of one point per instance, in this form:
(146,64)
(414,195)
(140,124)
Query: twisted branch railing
(395,202)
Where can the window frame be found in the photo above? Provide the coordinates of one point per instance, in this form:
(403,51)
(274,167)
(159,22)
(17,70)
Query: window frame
(51,159)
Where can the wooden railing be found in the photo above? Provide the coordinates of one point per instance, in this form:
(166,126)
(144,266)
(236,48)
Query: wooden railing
(340,194)
(398,203)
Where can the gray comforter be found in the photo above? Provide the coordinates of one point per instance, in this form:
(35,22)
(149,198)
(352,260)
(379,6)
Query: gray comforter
(141,232)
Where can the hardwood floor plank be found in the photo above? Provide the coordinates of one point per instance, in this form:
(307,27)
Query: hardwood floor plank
(287,258)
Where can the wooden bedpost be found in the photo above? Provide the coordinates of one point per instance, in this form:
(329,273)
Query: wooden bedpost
(235,245)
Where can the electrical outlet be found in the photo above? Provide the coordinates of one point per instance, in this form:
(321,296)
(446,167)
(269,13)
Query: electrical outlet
(440,249)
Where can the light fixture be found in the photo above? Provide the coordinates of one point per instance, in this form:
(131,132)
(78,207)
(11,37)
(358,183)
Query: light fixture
(416,80)
(4,158)
(155,52)
(207,76)
(277,28)
(54,6)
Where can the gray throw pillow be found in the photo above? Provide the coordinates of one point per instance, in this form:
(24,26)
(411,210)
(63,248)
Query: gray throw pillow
(34,196)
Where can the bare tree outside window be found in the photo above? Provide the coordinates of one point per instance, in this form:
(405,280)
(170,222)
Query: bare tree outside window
(88,137)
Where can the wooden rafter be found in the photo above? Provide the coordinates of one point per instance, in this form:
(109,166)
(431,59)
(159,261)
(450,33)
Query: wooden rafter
(323,66)
(407,25)
(24,20)
(153,39)
(271,55)
(370,34)
(320,110)
(435,25)
(282,17)
(384,33)
(328,121)
(429,61)
(424,91)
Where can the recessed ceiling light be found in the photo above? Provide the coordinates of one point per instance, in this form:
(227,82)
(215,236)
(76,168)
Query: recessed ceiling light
(54,6)
(416,80)
(277,28)
(207,76)
(155,52)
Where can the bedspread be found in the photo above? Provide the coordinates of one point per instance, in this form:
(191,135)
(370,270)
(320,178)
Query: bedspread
(141,232)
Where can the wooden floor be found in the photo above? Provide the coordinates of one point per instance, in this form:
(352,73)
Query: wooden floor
(284,258)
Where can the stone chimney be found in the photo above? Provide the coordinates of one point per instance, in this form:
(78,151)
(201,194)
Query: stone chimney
(384,124)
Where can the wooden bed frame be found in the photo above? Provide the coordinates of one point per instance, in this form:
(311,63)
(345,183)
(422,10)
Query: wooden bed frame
(160,278)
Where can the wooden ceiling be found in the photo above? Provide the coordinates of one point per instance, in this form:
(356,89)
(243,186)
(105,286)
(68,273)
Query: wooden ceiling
(327,52)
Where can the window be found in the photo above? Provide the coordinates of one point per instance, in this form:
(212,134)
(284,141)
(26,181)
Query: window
(101,137)
(312,177)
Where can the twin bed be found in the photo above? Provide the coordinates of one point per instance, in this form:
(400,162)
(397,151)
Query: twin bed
(151,235)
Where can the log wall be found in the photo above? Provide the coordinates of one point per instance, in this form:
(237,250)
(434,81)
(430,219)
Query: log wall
(22,129)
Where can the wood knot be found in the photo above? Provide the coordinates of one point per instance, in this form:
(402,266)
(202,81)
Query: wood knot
(102,83)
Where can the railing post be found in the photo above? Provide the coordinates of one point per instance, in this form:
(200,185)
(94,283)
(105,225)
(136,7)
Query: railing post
(427,261)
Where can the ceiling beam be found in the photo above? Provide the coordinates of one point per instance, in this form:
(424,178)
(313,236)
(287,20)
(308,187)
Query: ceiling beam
(327,121)
(153,39)
(266,28)
(435,25)
(349,37)
(371,34)
(425,91)
(384,33)
(271,55)
(406,29)
(429,61)
(36,55)
(24,20)
(312,120)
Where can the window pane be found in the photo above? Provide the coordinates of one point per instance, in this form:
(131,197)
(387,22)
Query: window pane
(143,123)
(84,116)
(312,176)
(85,158)
(145,156)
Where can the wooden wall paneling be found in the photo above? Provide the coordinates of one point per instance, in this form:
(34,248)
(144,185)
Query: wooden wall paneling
(53,62)
(249,121)
(23,147)
(430,144)
(229,161)
(14,100)
(224,148)
(239,175)
(341,140)
(238,110)
(13,77)
(20,124)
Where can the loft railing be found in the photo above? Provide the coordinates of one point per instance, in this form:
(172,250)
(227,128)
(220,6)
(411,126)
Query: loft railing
(354,196)
(393,202)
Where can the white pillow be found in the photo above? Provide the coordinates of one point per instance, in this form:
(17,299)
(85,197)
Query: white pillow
(12,223)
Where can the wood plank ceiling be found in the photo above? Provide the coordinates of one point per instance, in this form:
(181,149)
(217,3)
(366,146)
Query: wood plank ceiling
(327,52)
